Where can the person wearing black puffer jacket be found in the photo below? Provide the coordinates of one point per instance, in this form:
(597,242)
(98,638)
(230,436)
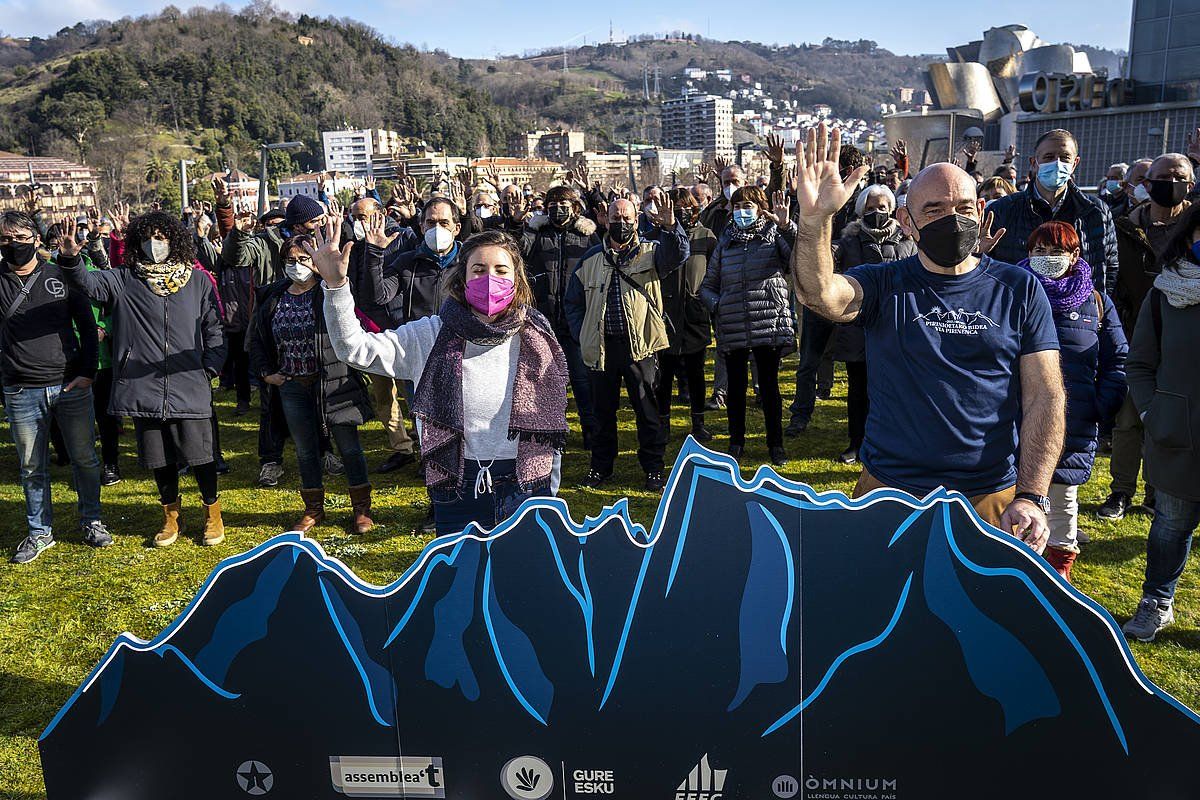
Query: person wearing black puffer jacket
(167,345)
(290,349)
(689,326)
(746,290)
(552,246)
(874,237)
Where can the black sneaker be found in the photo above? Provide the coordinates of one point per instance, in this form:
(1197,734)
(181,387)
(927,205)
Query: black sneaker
(824,392)
(395,461)
(243,408)
(1114,507)
(655,481)
(110,475)
(736,451)
(222,466)
(701,433)
(33,546)
(427,525)
(795,428)
(849,456)
(594,479)
(779,456)
(96,535)
(716,402)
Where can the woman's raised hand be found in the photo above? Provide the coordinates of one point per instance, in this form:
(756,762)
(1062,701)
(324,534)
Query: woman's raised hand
(330,261)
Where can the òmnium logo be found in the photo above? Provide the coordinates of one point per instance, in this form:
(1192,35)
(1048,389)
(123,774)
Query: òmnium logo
(527,778)
(702,783)
(961,322)
(388,776)
(844,788)
(785,787)
(255,778)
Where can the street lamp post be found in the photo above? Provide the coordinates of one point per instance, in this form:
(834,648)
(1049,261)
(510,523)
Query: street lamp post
(183,184)
(262,167)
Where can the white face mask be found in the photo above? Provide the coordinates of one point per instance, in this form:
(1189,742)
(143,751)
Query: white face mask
(297,271)
(156,250)
(360,230)
(484,212)
(651,207)
(438,239)
(729,190)
(1050,266)
(1141,193)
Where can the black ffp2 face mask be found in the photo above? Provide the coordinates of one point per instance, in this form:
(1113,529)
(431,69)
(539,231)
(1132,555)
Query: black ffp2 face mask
(560,216)
(622,232)
(17,254)
(1168,194)
(948,240)
(875,220)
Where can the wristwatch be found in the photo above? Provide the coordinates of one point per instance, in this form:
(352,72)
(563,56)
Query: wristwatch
(1039,500)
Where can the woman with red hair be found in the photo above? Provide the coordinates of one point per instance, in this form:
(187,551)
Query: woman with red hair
(1093,350)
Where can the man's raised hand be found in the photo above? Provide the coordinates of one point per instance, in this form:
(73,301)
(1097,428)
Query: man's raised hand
(331,263)
(820,190)
(68,246)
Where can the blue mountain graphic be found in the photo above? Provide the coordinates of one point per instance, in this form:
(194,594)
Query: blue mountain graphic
(890,636)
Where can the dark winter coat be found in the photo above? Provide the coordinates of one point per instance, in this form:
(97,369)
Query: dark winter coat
(1020,215)
(551,255)
(1139,264)
(1165,385)
(1093,349)
(343,391)
(388,314)
(689,325)
(409,284)
(166,350)
(856,247)
(746,290)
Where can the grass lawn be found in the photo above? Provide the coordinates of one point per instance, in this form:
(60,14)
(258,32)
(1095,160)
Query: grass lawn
(59,614)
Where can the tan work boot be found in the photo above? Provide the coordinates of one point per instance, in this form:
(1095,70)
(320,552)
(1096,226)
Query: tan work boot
(360,503)
(314,510)
(172,525)
(214,527)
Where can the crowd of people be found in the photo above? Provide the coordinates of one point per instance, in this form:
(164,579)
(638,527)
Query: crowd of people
(997,332)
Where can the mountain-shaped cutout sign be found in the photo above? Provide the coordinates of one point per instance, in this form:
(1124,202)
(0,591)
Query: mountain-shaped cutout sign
(759,640)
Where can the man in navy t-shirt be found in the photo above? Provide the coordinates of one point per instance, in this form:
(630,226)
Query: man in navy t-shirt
(961,350)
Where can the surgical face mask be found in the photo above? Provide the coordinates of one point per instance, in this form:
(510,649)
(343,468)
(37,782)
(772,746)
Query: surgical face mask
(1140,193)
(1050,266)
(949,240)
(651,207)
(484,212)
(744,217)
(1166,193)
(297,271)
(156,250)
(729,190)
(622,231)
(360,230)
(1055,174)
(875,220)
(1112,187)
(439,239)
(81,235)
(489,294)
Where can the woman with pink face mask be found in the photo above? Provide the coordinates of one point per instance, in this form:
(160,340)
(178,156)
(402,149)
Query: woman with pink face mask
(491,397)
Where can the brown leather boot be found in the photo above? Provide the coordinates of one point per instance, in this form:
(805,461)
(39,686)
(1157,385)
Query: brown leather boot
(214,526)
(360,502)
(172,525)
(314,510)
(1061,560)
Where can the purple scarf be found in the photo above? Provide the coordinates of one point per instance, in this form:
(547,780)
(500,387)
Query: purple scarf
(539,404)
(1071,290)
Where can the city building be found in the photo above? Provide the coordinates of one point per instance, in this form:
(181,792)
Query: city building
(425,166)
(351,151)
(558,146)
(62,185)
(667,167)
(306,184)
(610,169)
(698,122)
(242,188)
(1164,51)
(516,170)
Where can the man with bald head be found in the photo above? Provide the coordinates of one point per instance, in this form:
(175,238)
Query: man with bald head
(1141,237)
(1053,195)
(614,307)
(961,349)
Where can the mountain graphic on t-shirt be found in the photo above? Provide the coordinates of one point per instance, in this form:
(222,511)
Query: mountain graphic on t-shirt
(959,317)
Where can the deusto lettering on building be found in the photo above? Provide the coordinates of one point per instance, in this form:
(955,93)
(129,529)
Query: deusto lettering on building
(1051,92)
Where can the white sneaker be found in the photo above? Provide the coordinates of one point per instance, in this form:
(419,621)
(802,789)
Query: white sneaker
(270,474)
(1152,616)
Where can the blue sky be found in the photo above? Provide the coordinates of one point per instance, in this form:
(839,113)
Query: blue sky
(478,29)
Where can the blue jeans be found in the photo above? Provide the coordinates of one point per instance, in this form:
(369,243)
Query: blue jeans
(1175,521)
(304,421)
(454,509)
(29,413)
